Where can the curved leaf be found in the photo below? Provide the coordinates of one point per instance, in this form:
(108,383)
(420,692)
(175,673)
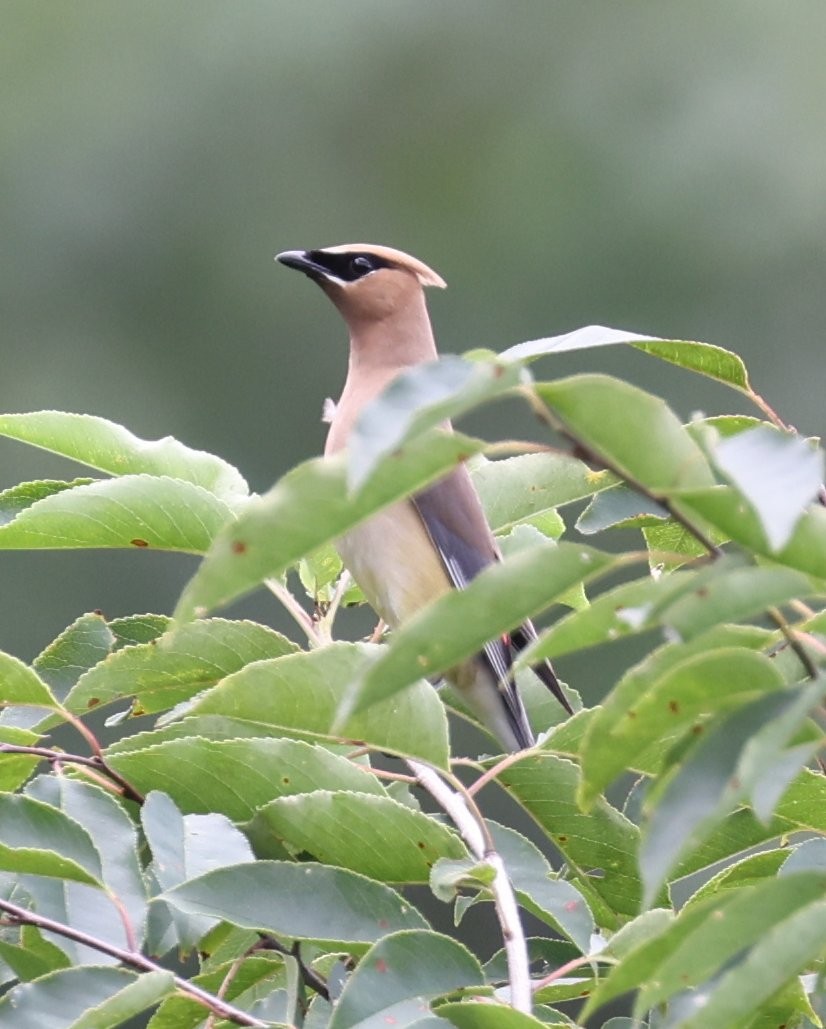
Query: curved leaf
(131,511)
(779,473)
(301,693)
(188,660)
(37,839)
(109,447)
(656,705)
(600,848)
(274,531)
(404,966)
(611,417)
(373,835)
(458,624)
(418,399)
(308,901)
(704,358)
(202,775)
(83,998)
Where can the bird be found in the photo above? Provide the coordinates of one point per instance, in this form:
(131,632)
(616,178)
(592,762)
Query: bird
(416,550)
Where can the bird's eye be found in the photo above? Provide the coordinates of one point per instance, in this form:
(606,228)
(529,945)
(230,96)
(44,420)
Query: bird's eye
(361,266)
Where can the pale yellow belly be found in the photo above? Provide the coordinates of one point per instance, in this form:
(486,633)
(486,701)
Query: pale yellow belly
(394,562)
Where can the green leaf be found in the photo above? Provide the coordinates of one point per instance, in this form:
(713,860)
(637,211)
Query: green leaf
(109,447)
(77,649)
(111,831)
(620,507)
(726,765)
(611,417)
(622,611)
(184,847)
(134,629)
(300,694)
(458,624)
(750,870)
(809,856)
(418,399)
(308,901)
(19,498)
(802,807)
(83,998)
(37,839)
(15,769)
(653,705)
(188,660)
(244,984)
(373,835)
(540,891)
(671,545)
(274,531)
(476,1015)
(518,489)
(318,573)
(704,937)
(579,339)
(131,511)
(733,517)
(600,848)
(732,597)
(779,473)
(704,358)
(404,966)
(203,775)
(33,956)
(20,685)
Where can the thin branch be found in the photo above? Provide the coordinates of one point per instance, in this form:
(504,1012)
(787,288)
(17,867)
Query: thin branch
(57,757)
(595,457)
(521,446)
(304,621)
(562,971)
(135,960)
(794,641)
(309,976)
(324,625)
(226,982)
(492,773)
(468,820)
(768,411)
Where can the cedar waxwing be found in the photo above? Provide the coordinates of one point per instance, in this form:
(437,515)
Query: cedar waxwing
(414,551)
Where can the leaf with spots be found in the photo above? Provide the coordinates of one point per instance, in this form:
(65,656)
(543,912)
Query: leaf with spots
(600,847)
(404,968)
(373,835)
(132,511)
(237,777)
(164,672)
(656,704)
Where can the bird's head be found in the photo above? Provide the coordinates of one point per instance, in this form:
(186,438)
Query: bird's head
(366,282)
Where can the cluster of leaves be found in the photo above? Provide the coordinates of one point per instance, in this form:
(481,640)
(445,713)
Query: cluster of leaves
(253,824)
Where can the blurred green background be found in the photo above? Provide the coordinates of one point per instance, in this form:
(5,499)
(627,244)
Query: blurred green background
(657,166)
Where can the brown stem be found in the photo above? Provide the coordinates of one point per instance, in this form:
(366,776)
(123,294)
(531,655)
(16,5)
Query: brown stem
(132,958)
(309,977)
(56,757)
(793,639)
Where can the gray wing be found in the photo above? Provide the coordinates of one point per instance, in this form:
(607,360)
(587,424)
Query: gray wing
(452,514)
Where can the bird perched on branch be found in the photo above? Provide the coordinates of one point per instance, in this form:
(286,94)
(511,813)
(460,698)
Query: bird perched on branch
(416,550)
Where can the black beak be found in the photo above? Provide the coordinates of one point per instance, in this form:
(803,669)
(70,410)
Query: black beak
(302,262)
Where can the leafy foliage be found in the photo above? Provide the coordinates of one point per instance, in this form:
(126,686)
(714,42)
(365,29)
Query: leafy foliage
(270,819)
